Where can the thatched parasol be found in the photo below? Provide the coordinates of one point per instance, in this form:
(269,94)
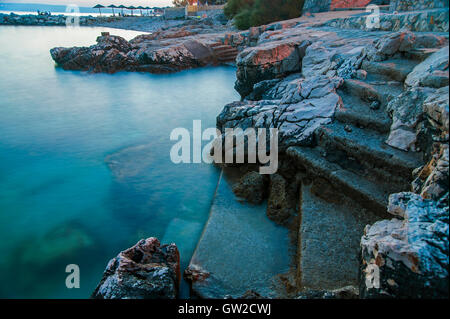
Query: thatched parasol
(112,7)
(140,8)
(131,8)
(98,6)
(122,7)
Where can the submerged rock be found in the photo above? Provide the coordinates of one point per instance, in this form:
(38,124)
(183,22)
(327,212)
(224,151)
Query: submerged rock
(251,187)
(408,256)
(279,206)
(148,270)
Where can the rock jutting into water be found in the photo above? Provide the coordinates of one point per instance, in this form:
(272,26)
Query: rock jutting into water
(179,48)
(148,270)
(363,125)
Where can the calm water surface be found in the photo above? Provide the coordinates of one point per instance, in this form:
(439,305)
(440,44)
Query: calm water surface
(84,161)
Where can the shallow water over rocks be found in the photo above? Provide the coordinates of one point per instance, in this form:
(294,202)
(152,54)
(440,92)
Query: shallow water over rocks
(85,170)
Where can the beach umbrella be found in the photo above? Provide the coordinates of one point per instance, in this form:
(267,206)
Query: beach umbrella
(131,8)
(112,7)
(99,6)
(140,8)
(122,7)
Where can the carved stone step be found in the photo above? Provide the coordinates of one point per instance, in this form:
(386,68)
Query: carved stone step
(395,69)
(360,113)
(382,91)
(370,195)
(369,148)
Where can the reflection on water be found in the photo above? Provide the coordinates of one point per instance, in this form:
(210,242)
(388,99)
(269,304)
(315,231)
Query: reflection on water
(84,161)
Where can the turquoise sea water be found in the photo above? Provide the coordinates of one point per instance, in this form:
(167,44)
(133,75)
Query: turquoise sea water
(85,170)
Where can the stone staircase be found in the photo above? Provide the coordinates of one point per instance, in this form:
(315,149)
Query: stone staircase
(352,157)
(240,249)
(224,53)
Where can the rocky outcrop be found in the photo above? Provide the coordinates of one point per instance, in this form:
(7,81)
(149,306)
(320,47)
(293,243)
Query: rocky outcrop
(251,187)
(187,46)
(50,20)
(296,106)
(433,72)
(406,43)
(407,257)
(364,134)
(112,54)
(148,270)
(270,60)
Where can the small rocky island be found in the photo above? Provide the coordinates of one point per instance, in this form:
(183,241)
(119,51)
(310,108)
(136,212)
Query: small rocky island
(359,205)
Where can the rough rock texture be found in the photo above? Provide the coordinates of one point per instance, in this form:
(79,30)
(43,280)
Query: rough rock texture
(112,54)
(188,46)
(407,256)
(147,270)
(407,113)
(271,60)
(409,5)
(404,43)
(295,106)
(251,187)
(432,72)
(432,180)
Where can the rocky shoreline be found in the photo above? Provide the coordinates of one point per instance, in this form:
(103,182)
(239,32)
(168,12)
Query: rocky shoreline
(363,138)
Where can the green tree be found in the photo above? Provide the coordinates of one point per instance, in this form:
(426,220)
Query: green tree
(248,13)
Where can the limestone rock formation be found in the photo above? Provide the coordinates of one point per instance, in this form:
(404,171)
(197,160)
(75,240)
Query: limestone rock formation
(164,51)
(251,187)
(408,256)
(433,72)
(267,62)
(296,106)
(148,270)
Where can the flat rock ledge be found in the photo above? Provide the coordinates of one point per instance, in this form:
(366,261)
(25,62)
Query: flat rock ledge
(148,270)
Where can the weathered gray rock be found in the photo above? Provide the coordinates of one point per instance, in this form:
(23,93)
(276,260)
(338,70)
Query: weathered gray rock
(267,61)
(433,179)
(147,270)
(296,106)
(432,72)
(164,51)
(110,54)
(408,256)
(436,107)
(407,112)
(402,42)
